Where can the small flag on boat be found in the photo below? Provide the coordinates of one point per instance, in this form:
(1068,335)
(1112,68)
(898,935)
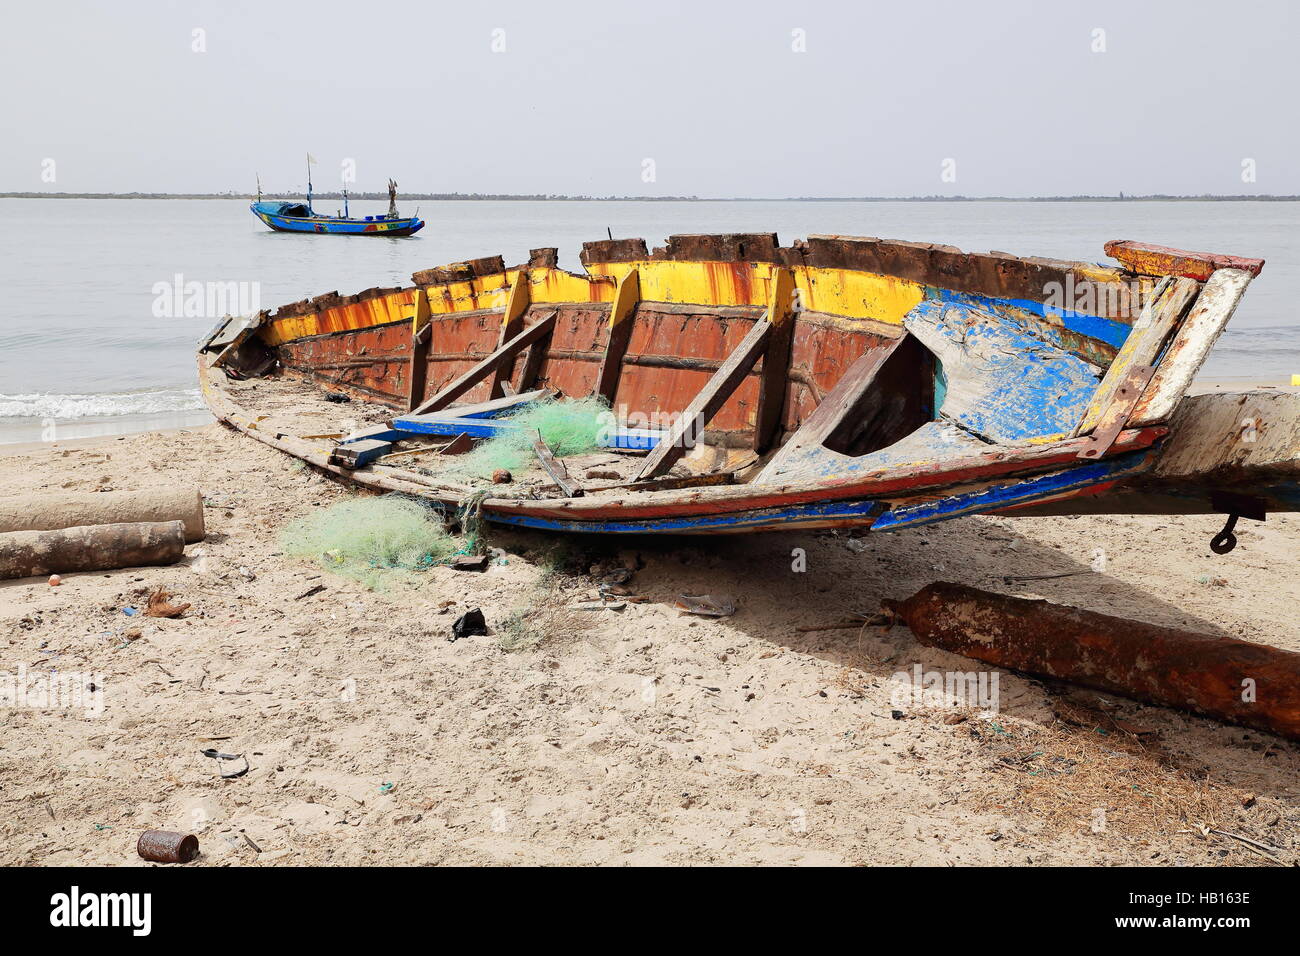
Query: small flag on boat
(311,160)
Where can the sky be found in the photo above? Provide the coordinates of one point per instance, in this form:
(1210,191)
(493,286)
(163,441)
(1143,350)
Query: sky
(710,98)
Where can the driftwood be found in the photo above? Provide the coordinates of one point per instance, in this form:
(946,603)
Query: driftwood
(91,548)
(50,512)
(1241,682)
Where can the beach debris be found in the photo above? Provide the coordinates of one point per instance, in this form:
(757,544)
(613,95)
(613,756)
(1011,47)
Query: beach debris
(55,580)
(130,611)
(470,562)
(501,477)
(160,605)
(310,591)
(216,755)
(338,398)
(54,512)
(24,554)
(601,605)
(707,605)
(247,575)
(1237,681)
(469,624)
(167,846)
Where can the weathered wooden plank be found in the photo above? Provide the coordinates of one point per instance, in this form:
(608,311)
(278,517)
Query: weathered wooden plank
(621,316)
(555,468)
(454,390)
(421,342)
(1192,343)
(512,322)
(775,374)
(1146,259)
(1117,411)
(706,403)
(1164,307)
(489,409)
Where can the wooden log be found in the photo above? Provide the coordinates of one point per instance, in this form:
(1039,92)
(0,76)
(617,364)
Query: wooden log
(91,548)
(1241,682)
(50,511)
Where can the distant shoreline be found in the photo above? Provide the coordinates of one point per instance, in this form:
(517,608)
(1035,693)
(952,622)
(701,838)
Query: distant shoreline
(488,197)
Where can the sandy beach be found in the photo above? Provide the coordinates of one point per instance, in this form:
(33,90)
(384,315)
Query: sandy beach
(638,736)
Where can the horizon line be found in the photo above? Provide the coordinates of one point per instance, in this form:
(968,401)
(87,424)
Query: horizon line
(542,197)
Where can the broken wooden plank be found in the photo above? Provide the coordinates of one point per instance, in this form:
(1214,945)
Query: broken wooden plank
(1146,259)
(775,376)
(555,468)
(674,482)
(621,316)
(707,401)
(1191,344)
(421,342)
(467,380)
(1160,315)
(1117,411)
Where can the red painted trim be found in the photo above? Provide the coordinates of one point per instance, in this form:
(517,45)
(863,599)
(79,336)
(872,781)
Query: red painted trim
(720,500)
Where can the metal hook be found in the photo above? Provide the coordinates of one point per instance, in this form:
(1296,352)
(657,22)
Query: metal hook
(1225,540)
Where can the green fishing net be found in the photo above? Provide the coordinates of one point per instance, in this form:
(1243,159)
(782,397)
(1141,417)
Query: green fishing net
(371,540)
(569,426)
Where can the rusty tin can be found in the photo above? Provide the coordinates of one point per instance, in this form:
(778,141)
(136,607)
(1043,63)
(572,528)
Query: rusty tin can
(164,846)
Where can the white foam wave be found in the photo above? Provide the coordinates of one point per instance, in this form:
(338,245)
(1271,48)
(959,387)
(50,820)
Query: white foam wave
(105,405)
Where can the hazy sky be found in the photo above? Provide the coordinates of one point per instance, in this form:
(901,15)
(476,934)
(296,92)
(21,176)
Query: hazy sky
(657,97)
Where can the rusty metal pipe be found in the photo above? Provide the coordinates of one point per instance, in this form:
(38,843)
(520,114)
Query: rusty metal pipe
(1240,682)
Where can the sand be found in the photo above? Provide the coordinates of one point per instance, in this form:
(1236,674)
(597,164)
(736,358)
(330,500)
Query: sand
(640,736)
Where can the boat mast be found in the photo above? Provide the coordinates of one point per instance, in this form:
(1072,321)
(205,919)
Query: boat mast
(310,211)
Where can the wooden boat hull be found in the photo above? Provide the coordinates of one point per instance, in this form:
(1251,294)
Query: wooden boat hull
(837,383)
(334,226)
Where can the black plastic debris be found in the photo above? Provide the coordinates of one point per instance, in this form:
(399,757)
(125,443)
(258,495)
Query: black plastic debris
(337,397)
(470,562)
(469,624)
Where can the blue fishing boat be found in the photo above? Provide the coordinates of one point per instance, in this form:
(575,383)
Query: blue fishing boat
(290,216)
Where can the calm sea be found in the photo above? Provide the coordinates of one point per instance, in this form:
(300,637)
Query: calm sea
(90,342)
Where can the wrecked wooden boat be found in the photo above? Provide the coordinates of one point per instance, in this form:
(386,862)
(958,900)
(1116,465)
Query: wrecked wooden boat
(835,382)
